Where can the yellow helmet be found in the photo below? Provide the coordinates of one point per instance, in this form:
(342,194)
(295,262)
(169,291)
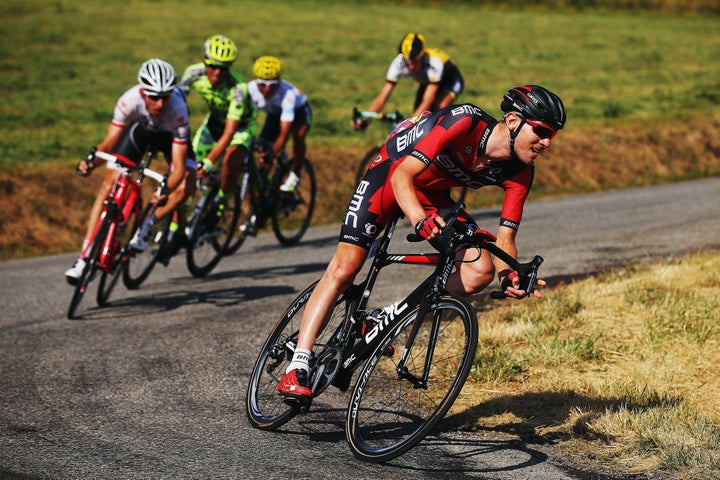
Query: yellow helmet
(267,68)
(412,46)
(220,51)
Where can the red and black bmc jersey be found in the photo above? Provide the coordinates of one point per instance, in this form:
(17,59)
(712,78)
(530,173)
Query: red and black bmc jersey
(450,142)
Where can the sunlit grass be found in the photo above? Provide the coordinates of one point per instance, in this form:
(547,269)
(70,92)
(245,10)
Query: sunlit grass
(624,368)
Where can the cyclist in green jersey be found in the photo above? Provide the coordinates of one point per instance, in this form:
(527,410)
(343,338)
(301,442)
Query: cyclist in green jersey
(229,127)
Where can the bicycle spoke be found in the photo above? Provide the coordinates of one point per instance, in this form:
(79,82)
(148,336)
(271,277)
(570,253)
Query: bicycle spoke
(389,410)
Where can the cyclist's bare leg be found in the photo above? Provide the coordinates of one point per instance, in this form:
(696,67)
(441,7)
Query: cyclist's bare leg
(338,276)
(299,145)
(471,276)
(234,158)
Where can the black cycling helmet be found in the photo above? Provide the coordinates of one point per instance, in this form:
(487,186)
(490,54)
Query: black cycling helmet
(534,102)
(412,46)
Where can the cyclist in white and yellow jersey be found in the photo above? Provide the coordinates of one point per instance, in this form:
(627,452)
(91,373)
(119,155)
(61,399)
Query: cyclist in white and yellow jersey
(229,127)
(287,113)
(439,77)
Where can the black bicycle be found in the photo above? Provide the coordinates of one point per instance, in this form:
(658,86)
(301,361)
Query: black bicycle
(412,363)
(261,198)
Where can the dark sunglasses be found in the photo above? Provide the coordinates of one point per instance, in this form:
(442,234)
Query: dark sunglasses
(216,67)
(541,130)
(156,98)
(267,83)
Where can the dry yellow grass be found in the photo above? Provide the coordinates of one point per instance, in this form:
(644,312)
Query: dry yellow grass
(621,371)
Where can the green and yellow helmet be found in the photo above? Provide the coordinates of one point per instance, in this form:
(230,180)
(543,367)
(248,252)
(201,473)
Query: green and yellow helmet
(220,51)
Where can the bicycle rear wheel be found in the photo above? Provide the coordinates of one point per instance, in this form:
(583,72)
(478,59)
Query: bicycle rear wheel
(212,233)
(264,406)
(365,163)
(90,270)
(139,265)
(388,413)
(293,210)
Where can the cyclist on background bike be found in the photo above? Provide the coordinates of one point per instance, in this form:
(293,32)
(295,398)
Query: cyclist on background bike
(151,115)
(288,112)
(422,159)
(439,77)
(229,127)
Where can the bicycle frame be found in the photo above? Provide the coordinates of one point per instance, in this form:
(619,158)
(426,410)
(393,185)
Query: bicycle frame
(120,204)
(352,355)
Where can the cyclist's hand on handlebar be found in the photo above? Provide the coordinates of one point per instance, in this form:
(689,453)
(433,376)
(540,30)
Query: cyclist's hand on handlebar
(359,125)
(430,226)
(87,164)
(512,288)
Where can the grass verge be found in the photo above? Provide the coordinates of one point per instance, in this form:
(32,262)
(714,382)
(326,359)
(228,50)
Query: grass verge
(620,371)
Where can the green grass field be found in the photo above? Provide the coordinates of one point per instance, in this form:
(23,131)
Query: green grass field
(65,63)
(641,88)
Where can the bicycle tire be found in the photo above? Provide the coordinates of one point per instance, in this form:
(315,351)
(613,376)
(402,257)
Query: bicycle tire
(365,162)
(246,201)
(293,211)
(212,236)
(108,280)
(389,415)
(91,267)
(139,265)
(264,406)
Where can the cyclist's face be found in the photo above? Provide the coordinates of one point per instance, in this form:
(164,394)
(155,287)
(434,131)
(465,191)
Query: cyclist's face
(267,87)
(215,74)
(413,66)
(155,104)
(533,139)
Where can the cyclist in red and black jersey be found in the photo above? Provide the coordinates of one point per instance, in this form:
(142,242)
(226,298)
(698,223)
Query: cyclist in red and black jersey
(425,156)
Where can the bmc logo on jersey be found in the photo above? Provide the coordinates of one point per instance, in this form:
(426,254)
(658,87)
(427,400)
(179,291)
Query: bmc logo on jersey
(466,108)
(405,139)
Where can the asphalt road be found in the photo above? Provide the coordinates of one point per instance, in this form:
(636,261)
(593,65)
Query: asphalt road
(153,385)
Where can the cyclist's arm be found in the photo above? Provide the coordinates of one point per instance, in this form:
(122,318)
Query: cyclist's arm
(403,185)
(282,138)
(428,100)
(106,145)
(376,105)
(231,126)
(177,172)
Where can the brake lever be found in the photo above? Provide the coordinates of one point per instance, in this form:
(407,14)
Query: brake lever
(528,273)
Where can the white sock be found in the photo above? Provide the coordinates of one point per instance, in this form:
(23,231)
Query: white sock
(301,359)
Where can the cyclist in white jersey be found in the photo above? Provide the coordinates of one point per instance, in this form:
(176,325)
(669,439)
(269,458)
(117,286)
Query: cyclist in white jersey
(152,114)
(287,113)
(440,80)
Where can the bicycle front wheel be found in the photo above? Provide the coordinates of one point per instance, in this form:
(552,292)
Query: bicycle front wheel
(140,264)
(293,210)
(90,270)
(392,407)
(213,230)
(264,406)
(108,280)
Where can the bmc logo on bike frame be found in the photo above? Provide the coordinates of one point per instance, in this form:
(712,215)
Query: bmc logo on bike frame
(397,310)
